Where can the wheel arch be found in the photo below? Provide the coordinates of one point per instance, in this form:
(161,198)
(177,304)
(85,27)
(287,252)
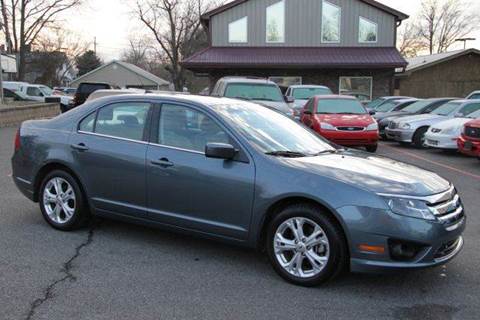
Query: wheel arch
(280,204)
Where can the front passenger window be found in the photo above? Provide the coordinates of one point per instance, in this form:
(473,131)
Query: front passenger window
(185,128)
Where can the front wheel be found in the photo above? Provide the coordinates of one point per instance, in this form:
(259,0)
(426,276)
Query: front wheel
(62,202)
(419,137)
(305,246)
(372,149)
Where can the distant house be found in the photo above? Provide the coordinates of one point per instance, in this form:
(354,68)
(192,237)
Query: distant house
(123,75)
(347,45)
(449,74)
(9,66)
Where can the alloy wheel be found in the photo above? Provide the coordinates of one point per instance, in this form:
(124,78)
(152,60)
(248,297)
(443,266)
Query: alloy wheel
(301,247)
(59,200)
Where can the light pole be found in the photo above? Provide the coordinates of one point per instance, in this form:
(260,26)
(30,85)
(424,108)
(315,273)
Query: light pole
(1,73)
(464,40)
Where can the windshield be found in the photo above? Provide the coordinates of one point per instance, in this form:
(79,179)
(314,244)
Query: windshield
(271,131)
(254,91)
(343,106)
(386,107)
(474,96)
(468,109)
(417,106)
(446,109)
(307,93)
(375,103)
(474,115)
(46,90)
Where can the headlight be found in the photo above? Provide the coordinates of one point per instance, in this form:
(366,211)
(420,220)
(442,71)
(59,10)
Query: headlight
(326,126)
(405,126)
(410,208)
(373,127)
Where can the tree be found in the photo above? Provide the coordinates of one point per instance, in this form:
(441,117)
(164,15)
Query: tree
(24,20)
(441,22)
(174,25)
(87,62)
(139,53)
(409,41)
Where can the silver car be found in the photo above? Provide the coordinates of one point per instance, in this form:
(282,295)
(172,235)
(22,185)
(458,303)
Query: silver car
(258,90)
(412,129)
(303,93)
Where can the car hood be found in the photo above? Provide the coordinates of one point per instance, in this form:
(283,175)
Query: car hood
(452,123)
(340,120)
(373,173)
(278,105)
(382,115)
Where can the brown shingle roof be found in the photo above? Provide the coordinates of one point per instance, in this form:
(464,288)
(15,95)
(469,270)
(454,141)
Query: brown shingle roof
(293,57)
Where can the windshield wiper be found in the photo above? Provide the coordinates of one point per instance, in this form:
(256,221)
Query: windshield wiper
(265,99)
(286,154)
(326,152)
(242,98)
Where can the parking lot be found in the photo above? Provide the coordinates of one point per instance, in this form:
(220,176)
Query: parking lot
(118,271)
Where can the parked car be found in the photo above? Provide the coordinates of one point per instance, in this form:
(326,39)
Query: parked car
(469,140)
(84,90)
(15,96)
(14,85)
(261,91)
(253,177)
(342,120)
(374,104)
(412,129)
(390,109)
(36,92)
(444,135)
(474,95)
(302,93)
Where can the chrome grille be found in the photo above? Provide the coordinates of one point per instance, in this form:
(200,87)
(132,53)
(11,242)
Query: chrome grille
(448,208)
(472,132)
(350,128)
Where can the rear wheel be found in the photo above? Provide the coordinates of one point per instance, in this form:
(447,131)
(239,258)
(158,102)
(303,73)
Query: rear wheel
(305,246)
(62,202)
(372,149)
(419,137)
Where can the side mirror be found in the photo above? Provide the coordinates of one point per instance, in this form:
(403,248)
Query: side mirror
(220,151)
(289,99)
(372,112)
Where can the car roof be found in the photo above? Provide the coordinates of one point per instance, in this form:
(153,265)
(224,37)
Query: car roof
(247,80)
(296,86)
(335,96)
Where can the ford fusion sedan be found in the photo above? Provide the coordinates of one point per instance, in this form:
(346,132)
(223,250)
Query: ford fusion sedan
(230,170)
(374,104)
(342,120)
(412,129)
(469,141)
(444,135)
(303,93)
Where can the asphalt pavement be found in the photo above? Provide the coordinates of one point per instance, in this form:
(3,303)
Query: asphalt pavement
(115,270)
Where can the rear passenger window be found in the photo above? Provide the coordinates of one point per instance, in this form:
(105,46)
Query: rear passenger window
(123,120)
(188,129)
(470,108)
(87,124)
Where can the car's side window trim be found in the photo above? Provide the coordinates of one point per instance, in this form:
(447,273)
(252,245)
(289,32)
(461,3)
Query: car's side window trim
(155,126)
(146,129)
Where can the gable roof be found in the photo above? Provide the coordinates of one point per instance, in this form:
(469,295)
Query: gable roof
(422,62)
(206,16)
(132,68)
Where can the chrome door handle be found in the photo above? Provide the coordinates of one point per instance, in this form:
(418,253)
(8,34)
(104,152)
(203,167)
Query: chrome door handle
(79,147)
(163,162)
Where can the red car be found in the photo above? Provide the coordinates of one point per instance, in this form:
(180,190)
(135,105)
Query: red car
(342,120)
(469,141)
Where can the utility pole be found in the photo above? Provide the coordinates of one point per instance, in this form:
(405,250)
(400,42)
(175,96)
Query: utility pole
(464,40)
(95,45)
(2,100)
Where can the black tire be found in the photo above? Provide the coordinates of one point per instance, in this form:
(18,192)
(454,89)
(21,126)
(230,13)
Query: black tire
(372,149)
(338,255)
(81,213)
(419,137)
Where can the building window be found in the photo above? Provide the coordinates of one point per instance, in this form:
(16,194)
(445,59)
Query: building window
(367,31)
(359,87)
(331,22)
(276,22)
(238,31)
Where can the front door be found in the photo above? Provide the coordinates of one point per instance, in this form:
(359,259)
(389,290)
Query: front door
(109,150)
(189,190)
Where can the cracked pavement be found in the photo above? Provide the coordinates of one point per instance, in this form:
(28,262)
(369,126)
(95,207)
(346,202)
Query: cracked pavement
(122,271)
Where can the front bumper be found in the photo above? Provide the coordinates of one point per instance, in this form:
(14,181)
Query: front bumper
(440,141)
(436,243)
(473,151)
(400,135)
(351,138)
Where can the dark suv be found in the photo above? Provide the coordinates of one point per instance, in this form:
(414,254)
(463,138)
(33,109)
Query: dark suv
(85,89)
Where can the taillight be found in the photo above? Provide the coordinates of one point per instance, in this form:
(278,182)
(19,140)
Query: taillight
(17,141)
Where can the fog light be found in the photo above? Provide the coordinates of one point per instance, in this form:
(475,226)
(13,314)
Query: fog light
(403,251)
(372,249)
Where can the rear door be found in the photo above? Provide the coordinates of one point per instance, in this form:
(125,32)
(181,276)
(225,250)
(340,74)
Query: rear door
(109,150)
(189,190)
